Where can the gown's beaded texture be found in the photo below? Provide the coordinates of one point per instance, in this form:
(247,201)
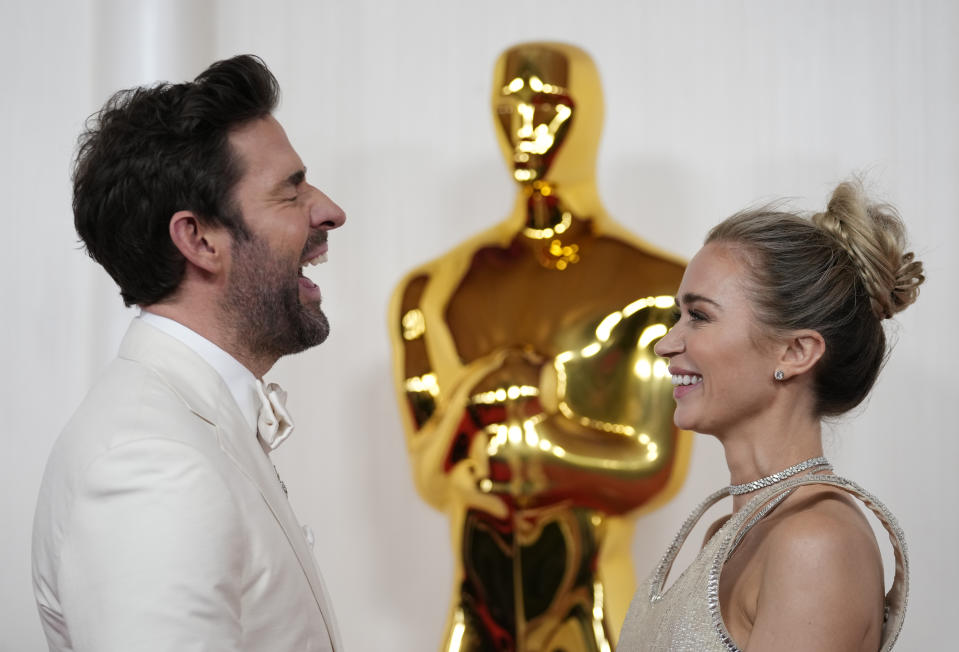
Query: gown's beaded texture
(687,616)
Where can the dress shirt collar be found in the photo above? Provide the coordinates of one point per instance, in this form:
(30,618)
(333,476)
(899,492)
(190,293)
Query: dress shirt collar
(239,380)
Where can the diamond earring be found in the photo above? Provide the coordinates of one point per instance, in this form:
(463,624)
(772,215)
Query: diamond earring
(779,375)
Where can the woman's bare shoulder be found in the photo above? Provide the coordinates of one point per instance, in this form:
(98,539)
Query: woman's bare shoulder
(822,578)
(820,518)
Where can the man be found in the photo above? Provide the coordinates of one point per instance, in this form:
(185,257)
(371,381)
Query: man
(161,523)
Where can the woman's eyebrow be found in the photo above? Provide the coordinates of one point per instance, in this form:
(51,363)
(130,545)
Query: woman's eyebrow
(692,297)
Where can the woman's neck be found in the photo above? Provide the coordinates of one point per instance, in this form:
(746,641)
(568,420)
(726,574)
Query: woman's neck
(759,450)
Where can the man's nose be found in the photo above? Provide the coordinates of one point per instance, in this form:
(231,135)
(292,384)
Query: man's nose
(324,212)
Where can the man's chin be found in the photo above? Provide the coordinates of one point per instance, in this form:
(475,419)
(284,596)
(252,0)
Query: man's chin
(315,327)
(306,328)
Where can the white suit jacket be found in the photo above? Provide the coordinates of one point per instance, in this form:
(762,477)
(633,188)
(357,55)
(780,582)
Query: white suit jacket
(161,523)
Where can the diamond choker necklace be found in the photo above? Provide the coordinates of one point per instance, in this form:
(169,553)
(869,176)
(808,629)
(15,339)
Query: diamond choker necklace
(769,480)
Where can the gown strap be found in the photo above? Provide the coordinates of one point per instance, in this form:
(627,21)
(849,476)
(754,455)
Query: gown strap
(898,595)
(662,570)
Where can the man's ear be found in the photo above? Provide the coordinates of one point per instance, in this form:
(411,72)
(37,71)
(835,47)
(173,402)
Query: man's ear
(204,245)
(803,349)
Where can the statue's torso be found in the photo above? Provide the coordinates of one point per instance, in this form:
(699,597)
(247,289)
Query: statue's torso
(562,442)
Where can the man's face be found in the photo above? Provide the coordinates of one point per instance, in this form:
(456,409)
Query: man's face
(274,309)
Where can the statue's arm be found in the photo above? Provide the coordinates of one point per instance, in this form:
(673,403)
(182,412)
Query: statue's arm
(433,398)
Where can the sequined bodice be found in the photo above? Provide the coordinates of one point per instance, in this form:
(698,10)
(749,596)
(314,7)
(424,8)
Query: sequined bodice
(686,617)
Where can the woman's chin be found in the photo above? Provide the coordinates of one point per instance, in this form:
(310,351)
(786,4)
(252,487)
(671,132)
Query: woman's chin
(682,421)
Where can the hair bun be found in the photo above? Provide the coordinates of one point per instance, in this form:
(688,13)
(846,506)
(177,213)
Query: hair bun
(874,237)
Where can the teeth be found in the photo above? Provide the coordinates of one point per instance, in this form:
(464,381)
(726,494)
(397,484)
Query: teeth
(319,260)
(685,379)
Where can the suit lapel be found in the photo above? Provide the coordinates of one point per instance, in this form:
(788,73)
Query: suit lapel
(201,387)
(247,454)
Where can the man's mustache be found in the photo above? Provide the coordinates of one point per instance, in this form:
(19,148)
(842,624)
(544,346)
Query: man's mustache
(317,238)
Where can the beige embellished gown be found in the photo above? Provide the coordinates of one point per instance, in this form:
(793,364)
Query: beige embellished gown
(686,617)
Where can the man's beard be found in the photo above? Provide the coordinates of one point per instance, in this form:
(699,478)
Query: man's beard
(263,302)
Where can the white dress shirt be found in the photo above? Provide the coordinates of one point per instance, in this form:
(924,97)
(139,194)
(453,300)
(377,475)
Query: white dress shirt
(239,380)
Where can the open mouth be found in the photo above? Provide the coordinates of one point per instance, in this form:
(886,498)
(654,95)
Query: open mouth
(310,289)
(686,379)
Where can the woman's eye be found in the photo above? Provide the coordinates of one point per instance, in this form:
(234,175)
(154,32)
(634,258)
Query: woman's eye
(695,315)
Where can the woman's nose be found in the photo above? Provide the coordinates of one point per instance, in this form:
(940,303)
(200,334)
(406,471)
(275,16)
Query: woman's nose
(668,344)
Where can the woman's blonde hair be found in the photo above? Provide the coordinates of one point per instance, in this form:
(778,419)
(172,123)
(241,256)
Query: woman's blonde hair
(839,273)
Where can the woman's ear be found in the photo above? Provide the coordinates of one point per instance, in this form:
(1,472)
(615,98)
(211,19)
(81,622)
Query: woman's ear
(204,245)
(803,349)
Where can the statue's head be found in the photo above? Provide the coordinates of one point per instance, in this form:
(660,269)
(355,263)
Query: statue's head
(548,105)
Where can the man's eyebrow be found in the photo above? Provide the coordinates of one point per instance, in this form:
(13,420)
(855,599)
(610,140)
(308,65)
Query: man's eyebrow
(692,297)
(293,180)
(297,177)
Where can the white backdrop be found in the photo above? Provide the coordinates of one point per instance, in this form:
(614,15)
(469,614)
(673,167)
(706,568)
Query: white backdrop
(711,106)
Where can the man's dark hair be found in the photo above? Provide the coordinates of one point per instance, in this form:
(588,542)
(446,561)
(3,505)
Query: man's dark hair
(153,151)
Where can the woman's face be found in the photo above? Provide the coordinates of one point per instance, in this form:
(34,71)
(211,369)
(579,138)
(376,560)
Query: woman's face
(722,366)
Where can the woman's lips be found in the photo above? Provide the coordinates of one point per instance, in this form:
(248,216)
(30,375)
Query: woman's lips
(684,381)
(681,390)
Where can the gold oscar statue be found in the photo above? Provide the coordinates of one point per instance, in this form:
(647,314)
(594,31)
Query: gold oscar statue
(537,416)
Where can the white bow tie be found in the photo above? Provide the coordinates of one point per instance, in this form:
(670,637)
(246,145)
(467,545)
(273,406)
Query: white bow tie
(274,424)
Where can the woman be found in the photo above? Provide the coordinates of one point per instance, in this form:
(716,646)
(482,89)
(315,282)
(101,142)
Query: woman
(780,325)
